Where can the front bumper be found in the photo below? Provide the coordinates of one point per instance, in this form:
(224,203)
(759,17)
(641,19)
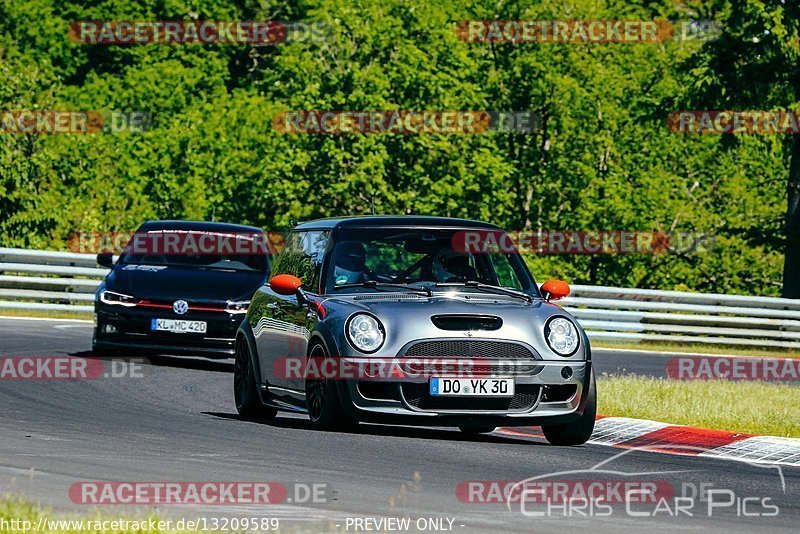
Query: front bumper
(128,329)
(544,394)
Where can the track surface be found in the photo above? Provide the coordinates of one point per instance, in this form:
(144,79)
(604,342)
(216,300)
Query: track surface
(177,422)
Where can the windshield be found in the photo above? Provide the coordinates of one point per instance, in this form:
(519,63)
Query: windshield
(418,257)
(195,249)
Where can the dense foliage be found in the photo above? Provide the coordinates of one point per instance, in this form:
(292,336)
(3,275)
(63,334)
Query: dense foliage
(603,158)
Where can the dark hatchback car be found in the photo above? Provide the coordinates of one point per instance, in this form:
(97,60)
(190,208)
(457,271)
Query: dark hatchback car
(409,320)
(179,287)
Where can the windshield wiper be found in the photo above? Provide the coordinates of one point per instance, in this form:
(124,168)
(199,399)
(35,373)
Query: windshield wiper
(373,284)
(488,288)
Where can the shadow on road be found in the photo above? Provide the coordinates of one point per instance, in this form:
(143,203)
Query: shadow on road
(158,360)
(371,429)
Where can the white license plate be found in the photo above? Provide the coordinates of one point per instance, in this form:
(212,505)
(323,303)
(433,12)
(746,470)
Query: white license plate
(472,387)
(180,326)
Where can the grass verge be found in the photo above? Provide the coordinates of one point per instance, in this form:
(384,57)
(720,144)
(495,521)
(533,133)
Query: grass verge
(702,348)
(749,407)
(20,515)
(46,314)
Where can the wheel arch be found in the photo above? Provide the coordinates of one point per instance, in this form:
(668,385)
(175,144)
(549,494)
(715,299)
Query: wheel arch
(245,332)
(326,338)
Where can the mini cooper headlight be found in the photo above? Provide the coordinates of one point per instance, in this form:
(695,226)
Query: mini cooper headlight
(562,336)
(365,332)
(112,297)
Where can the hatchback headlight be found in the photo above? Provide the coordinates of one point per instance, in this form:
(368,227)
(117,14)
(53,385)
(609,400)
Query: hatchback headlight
(562,336)
(119,299)
(365,332)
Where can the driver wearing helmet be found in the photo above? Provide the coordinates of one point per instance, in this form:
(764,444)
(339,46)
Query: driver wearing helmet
(451,266)
(349,263)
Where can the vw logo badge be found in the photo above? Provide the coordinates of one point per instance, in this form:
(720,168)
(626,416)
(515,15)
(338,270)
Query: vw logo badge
(180,307)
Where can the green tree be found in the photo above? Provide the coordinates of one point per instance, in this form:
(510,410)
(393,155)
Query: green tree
(754,66)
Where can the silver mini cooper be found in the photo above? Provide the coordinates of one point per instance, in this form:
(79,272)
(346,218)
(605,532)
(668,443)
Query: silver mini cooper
(413,320)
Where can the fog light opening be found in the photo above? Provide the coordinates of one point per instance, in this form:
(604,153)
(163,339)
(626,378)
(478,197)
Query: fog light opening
(566,373)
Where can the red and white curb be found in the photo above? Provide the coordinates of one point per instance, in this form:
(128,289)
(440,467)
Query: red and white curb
(660,437)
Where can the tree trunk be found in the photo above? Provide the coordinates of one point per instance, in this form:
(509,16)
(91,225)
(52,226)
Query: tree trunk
(791,265)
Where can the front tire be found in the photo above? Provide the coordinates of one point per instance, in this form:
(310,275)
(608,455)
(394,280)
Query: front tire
(245,390)
(578,432)
(322,401)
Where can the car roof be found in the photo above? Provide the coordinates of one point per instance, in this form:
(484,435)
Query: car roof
(198,226)
(403,221)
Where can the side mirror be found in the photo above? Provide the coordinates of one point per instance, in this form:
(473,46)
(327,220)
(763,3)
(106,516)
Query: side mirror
(285,284)
(105,259)
(554,290)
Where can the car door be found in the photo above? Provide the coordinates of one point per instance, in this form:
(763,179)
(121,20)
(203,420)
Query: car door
(285,324)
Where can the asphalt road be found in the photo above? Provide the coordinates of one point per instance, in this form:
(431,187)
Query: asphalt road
(176,421)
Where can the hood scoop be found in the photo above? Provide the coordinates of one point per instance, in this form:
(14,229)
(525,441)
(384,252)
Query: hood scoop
(467,322)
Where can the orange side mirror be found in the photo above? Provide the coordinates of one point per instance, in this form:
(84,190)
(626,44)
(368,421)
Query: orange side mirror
(555,289)
(285,284)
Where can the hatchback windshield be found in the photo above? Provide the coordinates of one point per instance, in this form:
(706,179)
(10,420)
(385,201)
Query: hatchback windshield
(418,257)
(197,249)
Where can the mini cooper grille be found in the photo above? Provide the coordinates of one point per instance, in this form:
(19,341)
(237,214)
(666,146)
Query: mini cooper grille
(469,349)
(525,397)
